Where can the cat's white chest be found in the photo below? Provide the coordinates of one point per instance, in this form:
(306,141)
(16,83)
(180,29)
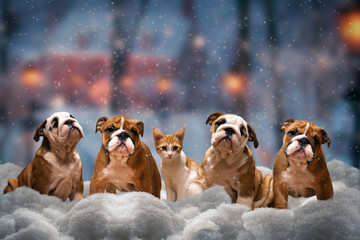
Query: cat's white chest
(180,180)
(175,171)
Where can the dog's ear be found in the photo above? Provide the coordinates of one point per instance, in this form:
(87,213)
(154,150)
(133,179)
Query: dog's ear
(100,124)
(140,126)
(40,131)
(180,134)
(213,117)
(157,134)
(252,136)
(325,138)
(286,124)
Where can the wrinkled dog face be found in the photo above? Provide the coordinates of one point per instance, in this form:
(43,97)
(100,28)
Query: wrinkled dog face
(60,128)
(120,134)
(300,146)
(303,140)
(230,133)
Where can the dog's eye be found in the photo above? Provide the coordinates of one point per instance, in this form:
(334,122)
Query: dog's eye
(164,148)
(72,116)
(242,130)
(292,132)
(316,140)
(134,131)
(56,123)
(175,148)
(221,122)
(110,129)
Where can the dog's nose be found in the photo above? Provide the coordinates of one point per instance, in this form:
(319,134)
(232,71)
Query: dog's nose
(123,136)
(229,131)
(304,141)
(69,123)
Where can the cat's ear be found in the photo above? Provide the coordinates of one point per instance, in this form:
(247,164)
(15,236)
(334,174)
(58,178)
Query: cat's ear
(157,134)
(180,134)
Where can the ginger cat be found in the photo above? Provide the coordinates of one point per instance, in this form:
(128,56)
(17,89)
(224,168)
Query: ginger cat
(182,176)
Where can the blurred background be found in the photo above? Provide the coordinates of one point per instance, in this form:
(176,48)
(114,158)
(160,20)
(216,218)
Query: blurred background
(173,63)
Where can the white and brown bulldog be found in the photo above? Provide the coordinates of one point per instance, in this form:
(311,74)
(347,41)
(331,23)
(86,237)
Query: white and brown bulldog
(229,161)
(56,169)
(300,169)
(124,162)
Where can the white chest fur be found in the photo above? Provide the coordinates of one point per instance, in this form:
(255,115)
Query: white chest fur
(225,173)
(174,171)
(298,179)
(220,172)
(118,173)
(180,181)
(64,176)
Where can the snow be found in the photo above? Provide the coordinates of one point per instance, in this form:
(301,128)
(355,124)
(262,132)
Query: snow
(25,214)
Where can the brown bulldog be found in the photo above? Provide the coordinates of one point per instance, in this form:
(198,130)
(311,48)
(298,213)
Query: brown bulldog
(229,161)
(56,169)
(124,162)
(300,169)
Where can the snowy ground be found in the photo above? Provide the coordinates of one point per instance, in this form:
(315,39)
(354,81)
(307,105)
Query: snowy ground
(210,215)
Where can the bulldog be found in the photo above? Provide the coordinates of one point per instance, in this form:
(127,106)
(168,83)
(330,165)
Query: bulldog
(124,162)
(229,161)
(300,169)
(56,169)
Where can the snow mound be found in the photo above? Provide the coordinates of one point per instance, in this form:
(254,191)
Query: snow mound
(339,171)
(8,170)
(210,215)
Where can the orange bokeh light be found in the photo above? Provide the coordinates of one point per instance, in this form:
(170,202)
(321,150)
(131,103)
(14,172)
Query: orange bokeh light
(164,85)
(234,83)
(127,82)
(99,92)
(32,77)
(350,29)
(78,81)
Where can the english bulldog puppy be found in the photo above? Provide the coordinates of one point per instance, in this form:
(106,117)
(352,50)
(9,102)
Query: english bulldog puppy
(300,169)
(56,169)
(124,162)
(229,161)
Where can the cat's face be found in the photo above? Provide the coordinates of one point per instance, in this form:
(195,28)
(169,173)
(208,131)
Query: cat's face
(168,146)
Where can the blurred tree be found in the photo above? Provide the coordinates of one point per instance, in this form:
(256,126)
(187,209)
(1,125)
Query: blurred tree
(242,62)
(276,80)
(192,61)
(235,81)
(122,41)
(349,29)
(8,24)
(241,65)
(352,95)
(316,41)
